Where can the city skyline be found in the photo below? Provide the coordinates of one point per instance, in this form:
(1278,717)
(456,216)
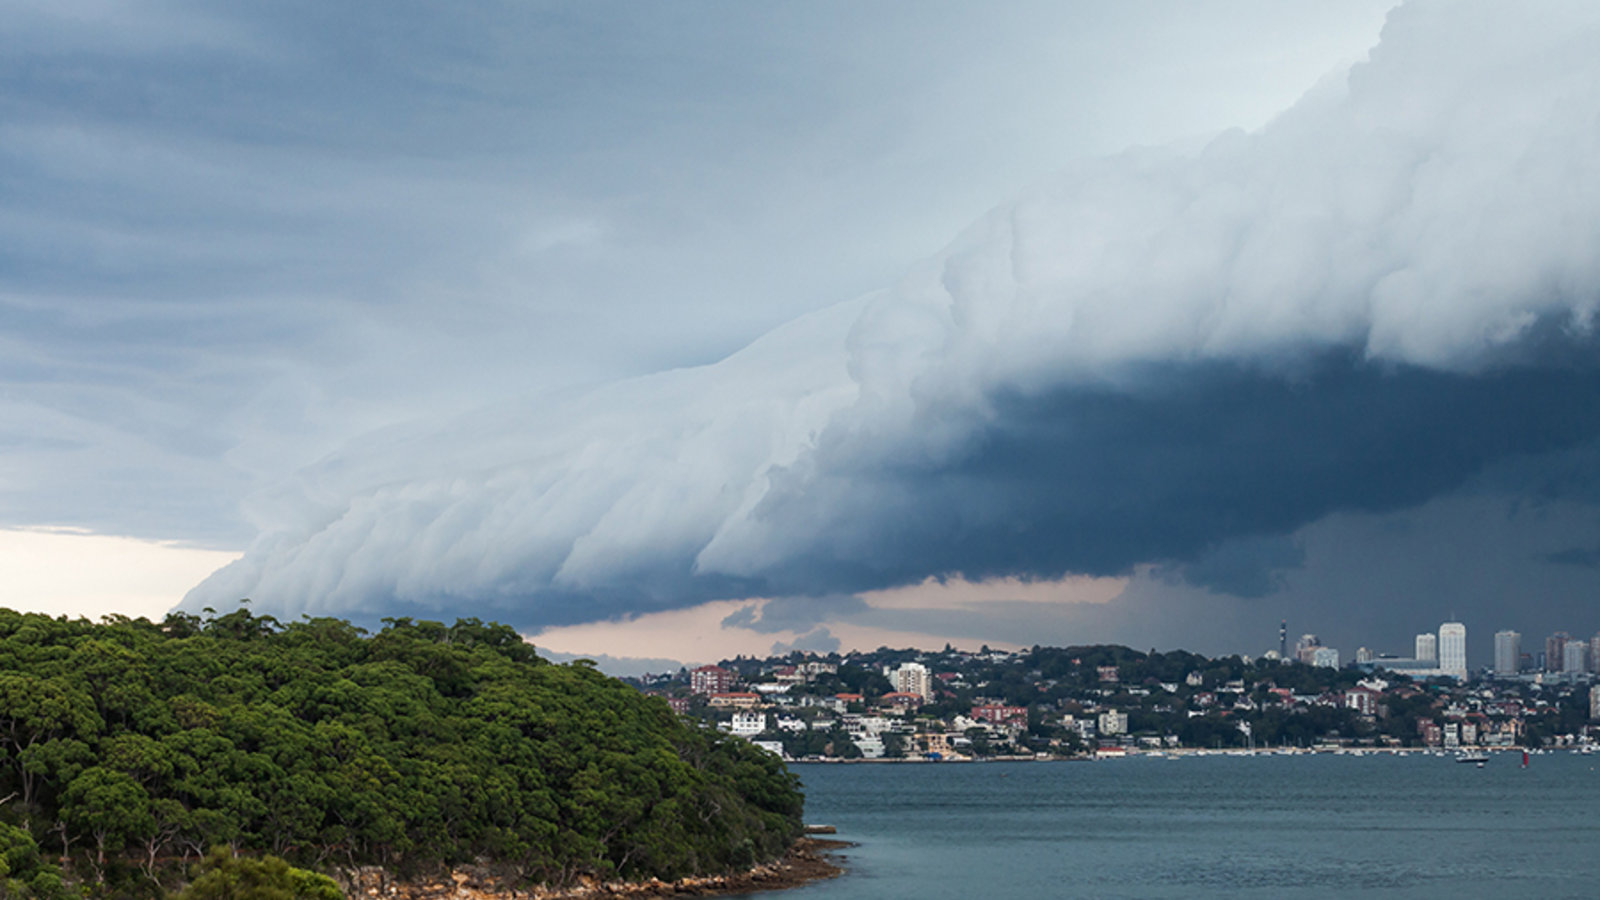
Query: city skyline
(1562,653)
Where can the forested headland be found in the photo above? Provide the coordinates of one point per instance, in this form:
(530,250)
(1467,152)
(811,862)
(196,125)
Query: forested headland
(129,749)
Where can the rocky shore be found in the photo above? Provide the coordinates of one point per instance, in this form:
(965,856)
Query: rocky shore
(810,859)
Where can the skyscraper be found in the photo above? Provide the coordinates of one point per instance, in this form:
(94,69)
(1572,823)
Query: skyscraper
(1555,647)
(1575,657)
(1427,648)
(913,678)
(1507,652)
(1453,649)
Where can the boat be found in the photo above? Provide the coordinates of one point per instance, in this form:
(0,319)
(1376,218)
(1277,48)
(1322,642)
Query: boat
(1474,757)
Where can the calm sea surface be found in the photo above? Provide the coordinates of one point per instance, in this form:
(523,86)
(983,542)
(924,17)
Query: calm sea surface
(1218,826)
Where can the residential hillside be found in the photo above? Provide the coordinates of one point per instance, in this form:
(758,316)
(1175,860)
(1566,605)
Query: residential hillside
(1077,701)
(129,748)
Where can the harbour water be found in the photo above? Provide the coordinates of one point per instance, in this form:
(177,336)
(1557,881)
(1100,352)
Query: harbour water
(1322,825)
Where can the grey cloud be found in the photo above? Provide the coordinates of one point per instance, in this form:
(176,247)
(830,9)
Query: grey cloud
(1169,355)
(817,640)
(794,613)
(1201,458)
(743,617)
(234,238)
(1367,579)
(1586,557)
(1243,567)
(619,666)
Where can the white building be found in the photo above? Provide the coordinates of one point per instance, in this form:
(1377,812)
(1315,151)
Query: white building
(1113,722)
(1427,648)
(812,669)
(1507,652)
(1085,727)
(913,678)
(773,747)
(1453,649)
(1325,658)
(873,724)
(748,724)
(870,745)
(1575,657)
(1452,735)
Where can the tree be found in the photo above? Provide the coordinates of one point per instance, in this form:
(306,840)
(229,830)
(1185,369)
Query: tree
(110,807)
(224,876)
(419,747)
(23,871)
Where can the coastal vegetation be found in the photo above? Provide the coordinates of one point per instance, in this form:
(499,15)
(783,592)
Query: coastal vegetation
(130,749)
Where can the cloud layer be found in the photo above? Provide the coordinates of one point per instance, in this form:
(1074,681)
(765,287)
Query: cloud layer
(232,239)
(1162,356)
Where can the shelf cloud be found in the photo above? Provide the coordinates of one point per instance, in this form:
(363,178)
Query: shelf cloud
(1175,356)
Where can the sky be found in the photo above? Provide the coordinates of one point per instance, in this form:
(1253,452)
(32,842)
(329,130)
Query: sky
(665,332)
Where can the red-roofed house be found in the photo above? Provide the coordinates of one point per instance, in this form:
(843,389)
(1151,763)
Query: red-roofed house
(900,700)
(711,680)
(999,714)
(739,700)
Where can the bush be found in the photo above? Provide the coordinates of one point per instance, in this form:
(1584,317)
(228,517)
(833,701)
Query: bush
(224,876)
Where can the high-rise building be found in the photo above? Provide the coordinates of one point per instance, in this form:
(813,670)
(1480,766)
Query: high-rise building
(1555,647)
(1427,648)
(913,678)
(1113,722)
(1575,657)
(1453,649)
(711,680)
(1594,653)
(1363,655)
(1507,652)
(1325,658)
(1305,649)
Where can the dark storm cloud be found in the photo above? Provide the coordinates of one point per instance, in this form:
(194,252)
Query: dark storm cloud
(1587,557)
(1184,467)
(1178,356)
(1243,567)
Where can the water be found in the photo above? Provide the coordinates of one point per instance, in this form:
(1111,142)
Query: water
(1217,826)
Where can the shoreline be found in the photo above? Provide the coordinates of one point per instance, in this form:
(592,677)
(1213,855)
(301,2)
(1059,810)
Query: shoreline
(1130,753)
(809,859)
